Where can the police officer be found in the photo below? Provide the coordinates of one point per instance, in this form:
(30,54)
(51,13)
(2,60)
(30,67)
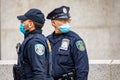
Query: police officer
(34,47)
(70,60)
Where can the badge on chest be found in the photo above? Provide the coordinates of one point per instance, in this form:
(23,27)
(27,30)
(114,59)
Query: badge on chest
(64,44)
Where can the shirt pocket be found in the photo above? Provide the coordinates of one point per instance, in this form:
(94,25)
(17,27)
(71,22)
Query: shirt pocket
(63,56)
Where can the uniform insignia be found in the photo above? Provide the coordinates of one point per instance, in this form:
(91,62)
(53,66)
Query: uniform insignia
(80,45)
(65,44)
(39,49)
(64,10)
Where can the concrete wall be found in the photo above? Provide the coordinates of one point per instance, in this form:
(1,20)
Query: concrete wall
(96,21)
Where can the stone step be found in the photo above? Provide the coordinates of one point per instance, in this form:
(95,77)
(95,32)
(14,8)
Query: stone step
(99,69)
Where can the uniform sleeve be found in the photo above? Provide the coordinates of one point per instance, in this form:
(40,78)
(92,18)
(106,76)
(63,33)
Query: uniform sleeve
(36,56)
(81,60)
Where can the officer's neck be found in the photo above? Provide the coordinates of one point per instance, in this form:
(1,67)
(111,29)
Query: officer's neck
(57,31)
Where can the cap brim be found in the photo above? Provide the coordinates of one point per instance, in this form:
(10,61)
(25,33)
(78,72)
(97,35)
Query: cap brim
(64,17)
(22,17)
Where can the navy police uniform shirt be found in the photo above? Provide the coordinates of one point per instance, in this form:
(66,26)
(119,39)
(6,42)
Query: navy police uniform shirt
(68,53)
(34,53)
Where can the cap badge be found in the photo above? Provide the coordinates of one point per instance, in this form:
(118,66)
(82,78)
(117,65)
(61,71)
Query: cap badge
(65,10)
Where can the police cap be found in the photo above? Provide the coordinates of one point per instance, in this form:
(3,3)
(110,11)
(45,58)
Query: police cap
(59,13)
(33,14)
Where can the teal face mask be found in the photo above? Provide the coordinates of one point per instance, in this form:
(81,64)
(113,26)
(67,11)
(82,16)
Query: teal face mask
(22,28)
(64,28)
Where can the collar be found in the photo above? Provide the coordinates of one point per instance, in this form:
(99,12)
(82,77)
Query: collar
(36,31)
(57,37)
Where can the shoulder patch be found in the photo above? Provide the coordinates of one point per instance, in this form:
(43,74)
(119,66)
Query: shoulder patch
(39,49)
(80,45)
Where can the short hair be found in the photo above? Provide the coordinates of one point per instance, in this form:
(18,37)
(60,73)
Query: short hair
(38,25)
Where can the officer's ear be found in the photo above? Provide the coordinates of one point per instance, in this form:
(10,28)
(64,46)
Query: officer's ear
(53,23)
(30,24)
